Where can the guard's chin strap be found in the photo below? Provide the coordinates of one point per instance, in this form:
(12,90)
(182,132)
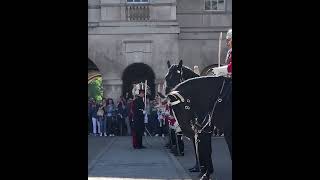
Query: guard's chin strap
(181,76)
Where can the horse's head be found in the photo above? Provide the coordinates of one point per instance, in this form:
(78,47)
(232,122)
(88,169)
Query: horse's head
(174,75)
(177,73)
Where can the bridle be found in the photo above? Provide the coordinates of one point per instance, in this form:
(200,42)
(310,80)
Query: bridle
(181,75)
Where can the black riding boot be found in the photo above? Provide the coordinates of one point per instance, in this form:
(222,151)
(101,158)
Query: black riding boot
(205,176)
(205,158)
(195,168)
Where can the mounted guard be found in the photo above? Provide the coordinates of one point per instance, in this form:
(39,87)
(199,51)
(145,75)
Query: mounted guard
(197,113)
(227,69)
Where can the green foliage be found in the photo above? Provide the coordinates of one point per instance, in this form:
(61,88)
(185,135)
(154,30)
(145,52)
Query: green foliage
(95,89)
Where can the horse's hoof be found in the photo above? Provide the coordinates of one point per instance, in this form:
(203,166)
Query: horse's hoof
(194,169)
(205,177)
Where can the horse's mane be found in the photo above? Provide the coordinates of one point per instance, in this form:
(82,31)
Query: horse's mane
(192,73)
(186,67)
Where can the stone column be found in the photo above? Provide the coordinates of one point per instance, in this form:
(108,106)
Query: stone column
(112,88)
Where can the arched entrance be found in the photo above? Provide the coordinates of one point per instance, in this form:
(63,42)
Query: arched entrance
(135,73)
(95,88)
(93,71)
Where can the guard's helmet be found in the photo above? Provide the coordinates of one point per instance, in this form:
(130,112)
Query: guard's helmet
(140,87)
(229,34)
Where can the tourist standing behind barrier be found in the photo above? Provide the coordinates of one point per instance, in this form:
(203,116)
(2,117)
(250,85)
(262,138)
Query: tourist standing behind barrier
(147,117)
(160,122)
(110,116)
(126,118)
(122,115)
(153,120)
(102,119)
(95,122)
(90,127)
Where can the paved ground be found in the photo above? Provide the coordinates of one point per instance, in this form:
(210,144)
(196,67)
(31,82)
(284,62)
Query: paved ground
(120,161)
(220,157)
(114,158)
(97,145)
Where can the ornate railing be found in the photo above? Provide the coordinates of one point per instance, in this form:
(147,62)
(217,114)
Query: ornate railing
(137,12)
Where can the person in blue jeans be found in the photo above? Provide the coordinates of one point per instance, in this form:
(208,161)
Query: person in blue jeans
(102,119)
(94,118)
(123,116)
(110,110)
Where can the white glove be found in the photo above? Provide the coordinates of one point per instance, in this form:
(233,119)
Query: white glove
(144,112)
(220,71)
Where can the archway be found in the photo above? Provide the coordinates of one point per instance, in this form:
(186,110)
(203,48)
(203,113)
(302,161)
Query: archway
(135,73)
(93,71)
(95,88)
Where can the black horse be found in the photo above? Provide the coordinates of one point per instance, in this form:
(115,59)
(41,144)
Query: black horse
(203,101)
(199,103)
(178,73)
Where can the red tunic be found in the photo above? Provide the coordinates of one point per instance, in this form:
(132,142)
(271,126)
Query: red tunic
(230,67)
(133,132)
(169,118)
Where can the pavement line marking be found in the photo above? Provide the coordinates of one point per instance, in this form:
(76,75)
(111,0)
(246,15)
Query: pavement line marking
(100,154)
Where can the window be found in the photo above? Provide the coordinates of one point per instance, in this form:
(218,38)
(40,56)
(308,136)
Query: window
(214,5)
(137,1)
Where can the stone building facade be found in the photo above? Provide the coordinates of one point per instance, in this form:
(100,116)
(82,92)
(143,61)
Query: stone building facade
(131,33)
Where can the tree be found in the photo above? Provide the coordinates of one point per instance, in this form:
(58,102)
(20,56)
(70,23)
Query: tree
(95,89)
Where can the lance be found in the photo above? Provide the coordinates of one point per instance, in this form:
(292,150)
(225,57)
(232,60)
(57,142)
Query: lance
(145,94)
(145,108)
(159,89)
(219,52)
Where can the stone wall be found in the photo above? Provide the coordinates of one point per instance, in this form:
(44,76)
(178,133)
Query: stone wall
(174,29)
